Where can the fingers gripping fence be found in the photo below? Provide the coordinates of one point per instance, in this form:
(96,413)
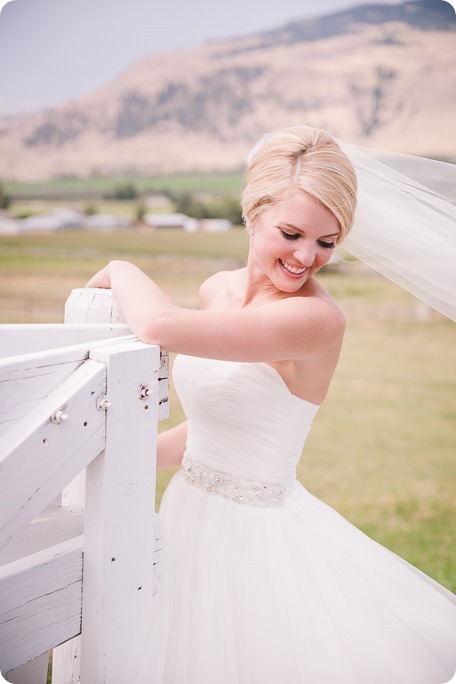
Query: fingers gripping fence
(79,536)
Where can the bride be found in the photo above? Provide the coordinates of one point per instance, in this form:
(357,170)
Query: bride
(267,584)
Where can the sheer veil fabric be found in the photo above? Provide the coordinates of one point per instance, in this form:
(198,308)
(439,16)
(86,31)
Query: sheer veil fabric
(405,223)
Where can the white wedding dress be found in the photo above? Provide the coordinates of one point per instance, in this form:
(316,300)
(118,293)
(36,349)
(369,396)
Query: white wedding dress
(265,583)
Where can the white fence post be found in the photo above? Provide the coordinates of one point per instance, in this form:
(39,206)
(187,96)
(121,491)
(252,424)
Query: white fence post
(86,305)
(82,306)
(120,515)
(120,521)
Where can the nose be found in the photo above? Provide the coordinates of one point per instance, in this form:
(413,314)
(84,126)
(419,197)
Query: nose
(305,253)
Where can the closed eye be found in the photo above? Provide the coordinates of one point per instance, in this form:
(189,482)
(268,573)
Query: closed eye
(295,236)
(290,236)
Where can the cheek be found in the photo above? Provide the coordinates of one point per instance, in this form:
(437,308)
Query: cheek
(324,255)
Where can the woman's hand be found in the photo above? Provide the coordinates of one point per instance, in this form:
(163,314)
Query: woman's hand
(101,279)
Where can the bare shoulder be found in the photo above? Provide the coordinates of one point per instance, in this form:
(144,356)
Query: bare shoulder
(319,316)
(211,287)
(218,289)
(324,305)
(316,304)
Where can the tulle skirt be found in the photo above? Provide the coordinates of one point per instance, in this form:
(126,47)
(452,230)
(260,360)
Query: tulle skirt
(290,595)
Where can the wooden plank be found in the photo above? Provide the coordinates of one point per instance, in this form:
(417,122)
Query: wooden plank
(24,385)
(163,386)
(120,510)
(92,305)
(79,350)
(40,602)
(25,380)
(22,338)
(33,672)
(51,527)
(66,662)
(38,458)
(82,306)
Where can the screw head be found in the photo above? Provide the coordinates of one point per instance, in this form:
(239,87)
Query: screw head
(144,391)
(59,417)
(103,403)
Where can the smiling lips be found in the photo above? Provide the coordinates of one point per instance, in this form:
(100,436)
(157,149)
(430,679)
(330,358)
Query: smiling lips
(293,269)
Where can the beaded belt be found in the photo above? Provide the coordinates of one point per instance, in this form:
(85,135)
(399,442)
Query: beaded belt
(239,489)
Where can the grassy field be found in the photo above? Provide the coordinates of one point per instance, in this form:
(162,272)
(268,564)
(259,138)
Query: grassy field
(382,448)
(221,182)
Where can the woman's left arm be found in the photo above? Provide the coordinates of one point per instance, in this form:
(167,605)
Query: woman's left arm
(139,298)
(290,328)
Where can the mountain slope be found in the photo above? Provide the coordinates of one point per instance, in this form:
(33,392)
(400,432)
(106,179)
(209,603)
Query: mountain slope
(368,75)
(428,15)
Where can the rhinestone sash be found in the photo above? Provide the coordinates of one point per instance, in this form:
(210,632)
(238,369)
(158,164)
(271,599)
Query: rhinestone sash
(241,490)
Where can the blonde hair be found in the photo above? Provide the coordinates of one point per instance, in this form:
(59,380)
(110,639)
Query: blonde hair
(301,158)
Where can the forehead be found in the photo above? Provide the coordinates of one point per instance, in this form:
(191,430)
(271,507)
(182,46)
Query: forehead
(300,210)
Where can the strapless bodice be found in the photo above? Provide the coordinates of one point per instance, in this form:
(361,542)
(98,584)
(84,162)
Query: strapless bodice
(242,417)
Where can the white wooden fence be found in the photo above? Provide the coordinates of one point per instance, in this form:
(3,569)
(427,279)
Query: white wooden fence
(79,536)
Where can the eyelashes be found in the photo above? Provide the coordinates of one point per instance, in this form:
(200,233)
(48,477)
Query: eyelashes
(290,236)
(296,236)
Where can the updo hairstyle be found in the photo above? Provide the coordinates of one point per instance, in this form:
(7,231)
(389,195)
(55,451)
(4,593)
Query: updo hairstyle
(301,158)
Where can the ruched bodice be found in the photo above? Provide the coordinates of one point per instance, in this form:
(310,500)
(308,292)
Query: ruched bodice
(242,417)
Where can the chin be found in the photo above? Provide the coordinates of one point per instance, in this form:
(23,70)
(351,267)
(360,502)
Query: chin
(291,286)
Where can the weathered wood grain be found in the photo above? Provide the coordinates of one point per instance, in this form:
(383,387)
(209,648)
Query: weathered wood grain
(36,447)
(53,526)
(33,672)
(120,513)
(40,602)
(41,569)
(22,338)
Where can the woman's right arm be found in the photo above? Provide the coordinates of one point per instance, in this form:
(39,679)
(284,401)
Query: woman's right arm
(171,446)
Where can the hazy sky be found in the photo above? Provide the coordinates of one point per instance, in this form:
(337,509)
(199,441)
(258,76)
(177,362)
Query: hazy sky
(53,50)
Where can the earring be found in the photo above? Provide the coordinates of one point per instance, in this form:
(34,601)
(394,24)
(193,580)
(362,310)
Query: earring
(252,232)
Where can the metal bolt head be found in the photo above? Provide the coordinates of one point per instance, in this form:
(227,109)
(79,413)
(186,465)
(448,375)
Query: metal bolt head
(144,391)
(103,403)
(59,417)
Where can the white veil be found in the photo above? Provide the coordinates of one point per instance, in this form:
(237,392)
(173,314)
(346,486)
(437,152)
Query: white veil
(405,223)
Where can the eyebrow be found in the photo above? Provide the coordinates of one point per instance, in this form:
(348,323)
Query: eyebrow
(299,230)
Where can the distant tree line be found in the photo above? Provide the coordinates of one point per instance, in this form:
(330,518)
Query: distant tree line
(224,207)
(5,200)
(122,191)
(191,204)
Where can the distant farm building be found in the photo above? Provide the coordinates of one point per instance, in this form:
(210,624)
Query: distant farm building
(57,219)
(106,222)
(155,200)
(215,225)
(62,219)
(157,221)
(8,225)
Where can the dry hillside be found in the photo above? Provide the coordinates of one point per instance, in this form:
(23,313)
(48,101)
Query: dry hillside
(382,81)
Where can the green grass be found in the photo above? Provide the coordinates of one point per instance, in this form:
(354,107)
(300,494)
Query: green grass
(216,182)
(382,447)
(128,243)
(382,450)
(21,208)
